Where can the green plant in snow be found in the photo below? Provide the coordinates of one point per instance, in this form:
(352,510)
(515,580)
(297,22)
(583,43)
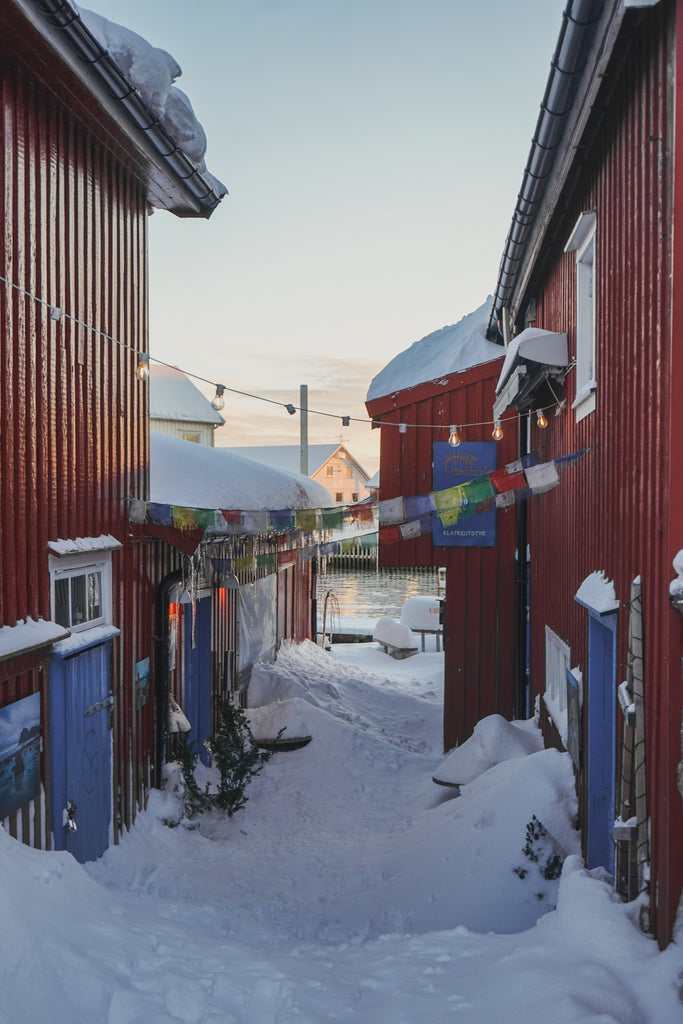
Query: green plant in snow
(237,758)
(541,849)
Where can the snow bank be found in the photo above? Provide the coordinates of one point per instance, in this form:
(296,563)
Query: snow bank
(349,889)
(449,350)
(493,740)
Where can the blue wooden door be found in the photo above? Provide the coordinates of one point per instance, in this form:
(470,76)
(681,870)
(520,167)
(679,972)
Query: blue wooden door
(602,689)
(81,753)
(197,673)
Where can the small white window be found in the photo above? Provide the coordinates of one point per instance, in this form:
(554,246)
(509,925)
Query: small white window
(80,588)
(582,244)
(349,471)
(329,470)
(557,662)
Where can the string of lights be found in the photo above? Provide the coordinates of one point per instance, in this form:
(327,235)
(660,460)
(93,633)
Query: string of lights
(57,314)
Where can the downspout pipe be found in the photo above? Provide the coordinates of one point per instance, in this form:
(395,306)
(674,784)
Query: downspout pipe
(62,15)
(578,25)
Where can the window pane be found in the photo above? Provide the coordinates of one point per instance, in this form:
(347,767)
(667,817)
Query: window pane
(61,609)
(94,595)
(77,600)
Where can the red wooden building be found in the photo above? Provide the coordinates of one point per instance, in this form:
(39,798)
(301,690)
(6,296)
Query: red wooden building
(479,634)
(84,158)
(595,251)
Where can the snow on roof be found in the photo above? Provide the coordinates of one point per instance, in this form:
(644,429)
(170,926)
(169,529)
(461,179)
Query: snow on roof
(80,545)
(173,396)
(197,476)
(28,635)
(449,350)
(287,456)
(152,72)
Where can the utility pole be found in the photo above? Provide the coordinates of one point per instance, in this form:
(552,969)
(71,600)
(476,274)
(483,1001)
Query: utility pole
(303,412)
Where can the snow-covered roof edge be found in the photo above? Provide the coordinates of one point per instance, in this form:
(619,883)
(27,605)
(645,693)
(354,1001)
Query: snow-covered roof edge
(178,185)
(29,635)
(452,349)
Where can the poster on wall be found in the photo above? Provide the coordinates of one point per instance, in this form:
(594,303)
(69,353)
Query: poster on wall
(141,683)
(19,754)
(452,467)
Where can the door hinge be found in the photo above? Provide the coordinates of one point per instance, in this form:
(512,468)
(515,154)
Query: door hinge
(101,704)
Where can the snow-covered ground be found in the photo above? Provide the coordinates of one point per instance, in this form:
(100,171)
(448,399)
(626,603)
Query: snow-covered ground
(351,888)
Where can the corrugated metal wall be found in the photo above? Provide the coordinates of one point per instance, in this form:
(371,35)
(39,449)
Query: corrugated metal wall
(615,513)
(74,443)
(480,643)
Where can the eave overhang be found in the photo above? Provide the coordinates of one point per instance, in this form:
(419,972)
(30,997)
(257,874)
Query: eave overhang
(174,182)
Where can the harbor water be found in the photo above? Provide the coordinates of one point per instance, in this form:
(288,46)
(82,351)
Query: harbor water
(352,600)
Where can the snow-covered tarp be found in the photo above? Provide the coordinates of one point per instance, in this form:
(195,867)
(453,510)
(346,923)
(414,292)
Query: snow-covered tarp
(449,350)
(152,72)
(197,476)
(493,741)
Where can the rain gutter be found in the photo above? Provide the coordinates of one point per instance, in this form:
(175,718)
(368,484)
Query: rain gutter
(587,36)
(73,40)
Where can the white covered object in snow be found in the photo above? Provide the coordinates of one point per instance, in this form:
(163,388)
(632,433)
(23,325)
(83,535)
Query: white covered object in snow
(421,613)
(493,741)
(397,639)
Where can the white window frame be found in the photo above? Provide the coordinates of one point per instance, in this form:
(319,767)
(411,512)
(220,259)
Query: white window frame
(557,663)
(582,244)
(80,564)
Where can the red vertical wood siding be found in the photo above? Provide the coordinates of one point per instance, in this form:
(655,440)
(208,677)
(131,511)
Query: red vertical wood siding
(621,512)
(479,639)
(74,442)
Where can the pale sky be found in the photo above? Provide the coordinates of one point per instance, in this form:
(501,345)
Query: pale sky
(373,150)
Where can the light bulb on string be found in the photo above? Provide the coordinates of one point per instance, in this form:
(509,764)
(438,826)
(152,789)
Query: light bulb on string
(218,402)
(497,434)
(541,421)
(142,370)
(454,437)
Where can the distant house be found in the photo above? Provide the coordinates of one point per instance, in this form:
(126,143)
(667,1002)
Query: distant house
(178,408)
(332,465)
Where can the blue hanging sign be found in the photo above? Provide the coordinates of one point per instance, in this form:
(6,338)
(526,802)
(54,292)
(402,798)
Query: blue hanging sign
(453,466)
